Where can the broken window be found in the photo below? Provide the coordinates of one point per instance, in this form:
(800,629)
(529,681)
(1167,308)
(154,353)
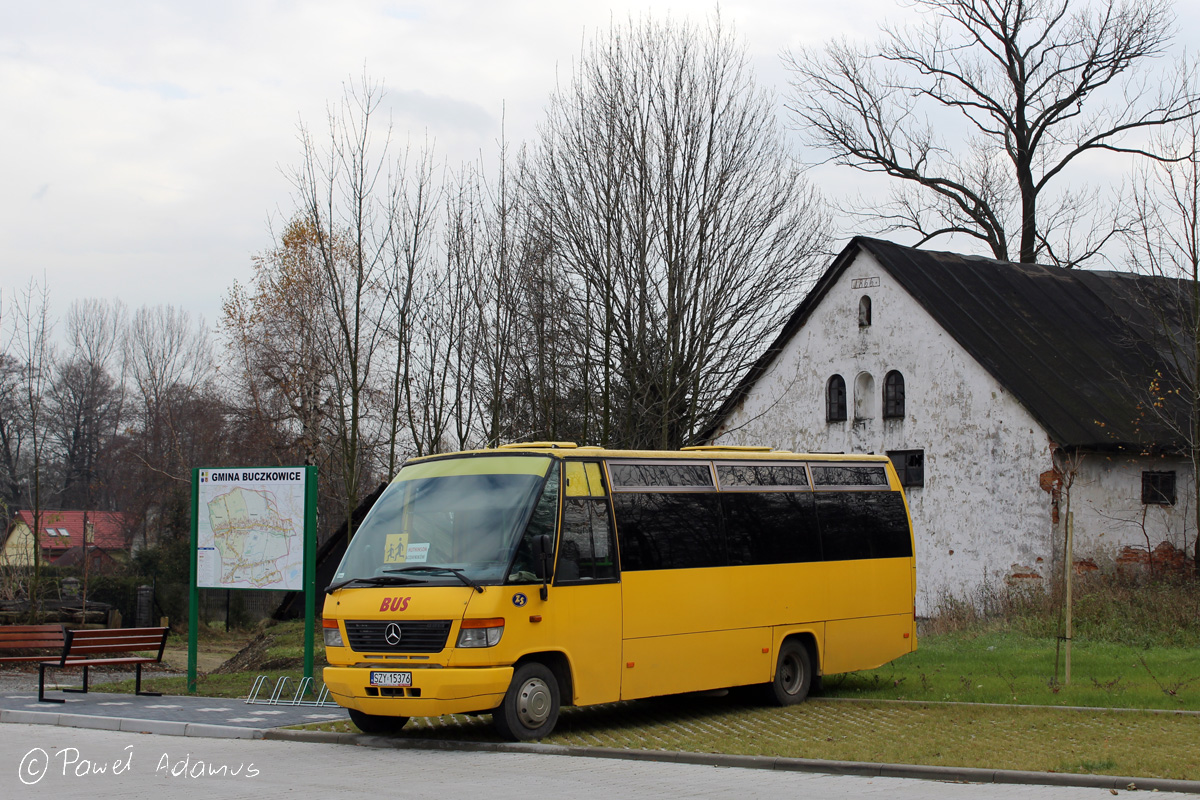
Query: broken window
(1158,488)
(910,466)
(893,395)
(835,399)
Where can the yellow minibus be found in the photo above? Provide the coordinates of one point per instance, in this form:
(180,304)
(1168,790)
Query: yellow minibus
(517,580)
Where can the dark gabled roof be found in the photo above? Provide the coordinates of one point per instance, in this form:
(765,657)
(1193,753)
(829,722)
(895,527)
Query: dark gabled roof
(1078,348)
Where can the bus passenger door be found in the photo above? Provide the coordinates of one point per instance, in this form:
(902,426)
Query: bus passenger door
(586,598)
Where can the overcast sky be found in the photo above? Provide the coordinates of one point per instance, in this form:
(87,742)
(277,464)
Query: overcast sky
(144,144)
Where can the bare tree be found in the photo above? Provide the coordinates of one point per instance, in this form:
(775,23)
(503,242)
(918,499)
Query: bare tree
(503,247)
(342,190)
(171,371)
(33,353)
(470,281)
(12,435)
(169,354)
(1163,244)
(85,399)
(412,249)
(666,197)
(1027,87)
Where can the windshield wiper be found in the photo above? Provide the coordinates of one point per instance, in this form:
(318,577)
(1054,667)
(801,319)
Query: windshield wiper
(458,573)
(373,580)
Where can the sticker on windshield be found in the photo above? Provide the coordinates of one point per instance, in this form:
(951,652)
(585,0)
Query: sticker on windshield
(418,552)
(394,548)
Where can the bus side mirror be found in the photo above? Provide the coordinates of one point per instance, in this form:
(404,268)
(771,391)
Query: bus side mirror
(543,560)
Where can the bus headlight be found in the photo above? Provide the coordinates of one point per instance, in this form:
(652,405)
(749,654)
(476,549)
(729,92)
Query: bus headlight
(480,632)
(333,635)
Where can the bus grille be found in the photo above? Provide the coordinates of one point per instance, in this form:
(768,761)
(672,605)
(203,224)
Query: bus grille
(370,636)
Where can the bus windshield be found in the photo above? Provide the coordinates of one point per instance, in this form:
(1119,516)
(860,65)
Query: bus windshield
(447,521)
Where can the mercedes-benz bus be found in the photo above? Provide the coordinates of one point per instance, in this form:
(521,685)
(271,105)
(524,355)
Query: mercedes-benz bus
(517,580)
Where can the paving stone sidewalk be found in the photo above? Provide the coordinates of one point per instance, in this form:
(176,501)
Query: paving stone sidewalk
(174,714)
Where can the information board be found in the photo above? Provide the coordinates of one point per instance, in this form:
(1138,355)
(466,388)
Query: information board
(250,528)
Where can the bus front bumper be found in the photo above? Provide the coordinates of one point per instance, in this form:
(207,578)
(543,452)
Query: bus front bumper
(433,691)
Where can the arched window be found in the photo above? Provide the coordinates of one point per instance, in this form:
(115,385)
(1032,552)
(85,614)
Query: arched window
(864,311)
(864,396)
(835,399)
(893,395)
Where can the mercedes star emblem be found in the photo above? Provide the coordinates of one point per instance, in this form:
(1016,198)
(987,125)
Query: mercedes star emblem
(391,634)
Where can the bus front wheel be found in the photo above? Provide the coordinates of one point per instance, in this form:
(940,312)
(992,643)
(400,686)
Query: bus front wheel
(530,707)
(793,674)
(375,723)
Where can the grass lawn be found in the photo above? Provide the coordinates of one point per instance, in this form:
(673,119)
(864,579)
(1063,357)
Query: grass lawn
(1006,667)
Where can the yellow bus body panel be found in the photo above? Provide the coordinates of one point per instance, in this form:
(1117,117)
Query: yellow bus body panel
(685,630)
(582,623)
(866,642)
(693,662)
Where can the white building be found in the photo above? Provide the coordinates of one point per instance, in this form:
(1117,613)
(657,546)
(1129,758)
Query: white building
(1004,394)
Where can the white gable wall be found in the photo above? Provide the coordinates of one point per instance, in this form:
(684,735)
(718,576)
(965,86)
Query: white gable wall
(981,515)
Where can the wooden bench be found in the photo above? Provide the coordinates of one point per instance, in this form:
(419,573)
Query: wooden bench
(91,648)
(30,637)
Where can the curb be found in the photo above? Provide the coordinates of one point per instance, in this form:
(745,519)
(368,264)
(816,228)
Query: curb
(863,769)
(164,727)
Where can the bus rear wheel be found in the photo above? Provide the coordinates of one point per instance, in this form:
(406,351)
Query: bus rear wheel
(375,723)
(793,674)
(530,706)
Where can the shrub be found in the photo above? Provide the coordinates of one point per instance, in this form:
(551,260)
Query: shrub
(1141,609)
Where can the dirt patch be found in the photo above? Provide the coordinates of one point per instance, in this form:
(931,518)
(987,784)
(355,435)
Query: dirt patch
(256,656)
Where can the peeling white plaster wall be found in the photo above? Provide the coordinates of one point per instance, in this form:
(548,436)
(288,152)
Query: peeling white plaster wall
(1106,498)
(981,513)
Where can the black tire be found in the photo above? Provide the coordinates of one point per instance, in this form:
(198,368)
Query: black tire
(374,723)
(530,706)
(793,674)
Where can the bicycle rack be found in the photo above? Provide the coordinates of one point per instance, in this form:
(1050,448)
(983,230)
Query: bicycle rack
(277,693)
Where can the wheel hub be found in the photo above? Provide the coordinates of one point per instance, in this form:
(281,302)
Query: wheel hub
(533,703)
(791,674)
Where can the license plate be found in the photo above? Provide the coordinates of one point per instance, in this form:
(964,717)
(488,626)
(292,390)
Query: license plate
(391,679)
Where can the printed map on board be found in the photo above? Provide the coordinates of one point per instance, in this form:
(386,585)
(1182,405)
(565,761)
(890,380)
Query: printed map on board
(250,529)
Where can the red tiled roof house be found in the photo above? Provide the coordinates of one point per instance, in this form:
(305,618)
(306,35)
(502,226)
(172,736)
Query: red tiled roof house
(61,533)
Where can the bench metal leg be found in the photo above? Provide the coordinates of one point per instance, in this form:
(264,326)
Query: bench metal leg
(85,683)
(42,687)
(138,685)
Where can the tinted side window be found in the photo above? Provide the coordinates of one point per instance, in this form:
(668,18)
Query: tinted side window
(660,475)
(733,476)
(858,525)
(585,552)
(849,476)
(669,530)
(771,527)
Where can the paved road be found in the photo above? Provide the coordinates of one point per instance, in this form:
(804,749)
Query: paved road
(40,761)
